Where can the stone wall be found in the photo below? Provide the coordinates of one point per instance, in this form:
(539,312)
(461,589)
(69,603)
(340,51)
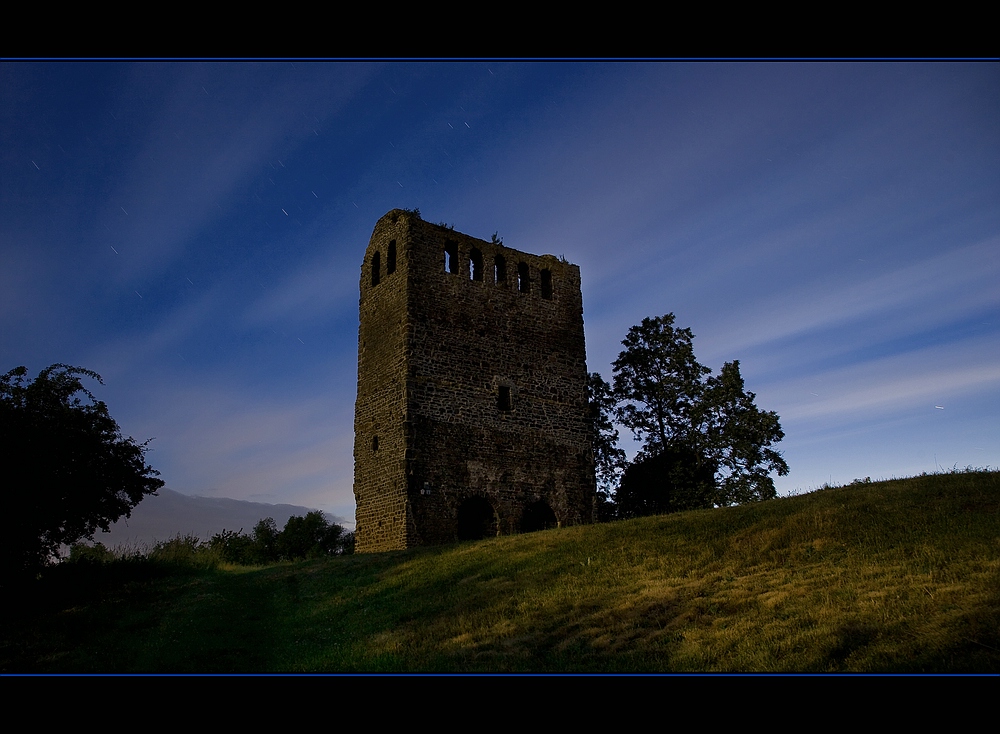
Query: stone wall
(471,416)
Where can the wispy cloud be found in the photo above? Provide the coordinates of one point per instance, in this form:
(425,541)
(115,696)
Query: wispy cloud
(932,292)
(214,131)
(325,285)
(918,379)
(262,449)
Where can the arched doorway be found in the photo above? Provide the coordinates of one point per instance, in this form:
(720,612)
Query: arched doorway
(538,516)
(476,519)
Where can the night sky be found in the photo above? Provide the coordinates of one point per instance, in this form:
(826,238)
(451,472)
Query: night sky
(194,233)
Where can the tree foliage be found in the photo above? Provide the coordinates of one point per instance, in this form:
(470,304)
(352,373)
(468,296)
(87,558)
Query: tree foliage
(311,536)
(609,459)
(704,441)
(739,440)
(659,385)
(676,479)
(70,470)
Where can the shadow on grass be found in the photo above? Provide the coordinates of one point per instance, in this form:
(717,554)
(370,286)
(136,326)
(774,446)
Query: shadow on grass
(140,616)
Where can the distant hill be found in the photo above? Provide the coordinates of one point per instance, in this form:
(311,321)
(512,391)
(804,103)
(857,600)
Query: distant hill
(170,513)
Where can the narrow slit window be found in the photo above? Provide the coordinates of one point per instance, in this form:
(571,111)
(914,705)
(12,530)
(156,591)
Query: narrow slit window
(390,260)
(376,266)
(503,399)
(450,256)
(475,265)
(500,269)
(523,282)
(546,284)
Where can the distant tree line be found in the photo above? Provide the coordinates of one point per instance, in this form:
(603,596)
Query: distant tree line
(312,536)
(704,441)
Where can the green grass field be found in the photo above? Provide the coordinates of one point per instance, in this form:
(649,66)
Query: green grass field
(894,576)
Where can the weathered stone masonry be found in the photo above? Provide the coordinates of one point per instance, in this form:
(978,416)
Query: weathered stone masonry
(471,417)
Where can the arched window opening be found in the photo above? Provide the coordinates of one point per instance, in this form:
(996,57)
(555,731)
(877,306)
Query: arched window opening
(503,399)
(475,265)
(477,520)
(390,260)
(538,516)
(523,282)
(376,265)
(546,284)
(500,269)
(450,256)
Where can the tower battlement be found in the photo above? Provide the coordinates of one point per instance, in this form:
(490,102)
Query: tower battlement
(471,416)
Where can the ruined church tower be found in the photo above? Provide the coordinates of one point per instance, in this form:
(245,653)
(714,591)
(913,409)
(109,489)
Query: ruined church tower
(471,416)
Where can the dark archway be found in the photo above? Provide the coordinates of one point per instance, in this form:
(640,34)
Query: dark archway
(476,519)
(538,516)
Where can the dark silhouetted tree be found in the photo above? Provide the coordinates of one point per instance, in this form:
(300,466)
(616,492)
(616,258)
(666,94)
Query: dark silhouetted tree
(739,440)
(68,469)
(609,459)
(265,540)
(692,426)
(312,536)
(659,385)
(673,480)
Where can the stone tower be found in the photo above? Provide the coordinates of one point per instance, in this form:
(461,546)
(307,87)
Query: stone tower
(471,417)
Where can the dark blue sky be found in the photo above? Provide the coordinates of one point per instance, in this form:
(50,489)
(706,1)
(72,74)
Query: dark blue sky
(194,232)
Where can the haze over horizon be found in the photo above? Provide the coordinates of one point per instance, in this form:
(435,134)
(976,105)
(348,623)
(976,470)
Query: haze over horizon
(194,232)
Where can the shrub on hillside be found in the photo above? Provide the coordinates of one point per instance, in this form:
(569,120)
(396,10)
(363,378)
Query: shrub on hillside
(311,536)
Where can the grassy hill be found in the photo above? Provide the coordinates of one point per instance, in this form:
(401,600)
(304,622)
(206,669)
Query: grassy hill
(900,576)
